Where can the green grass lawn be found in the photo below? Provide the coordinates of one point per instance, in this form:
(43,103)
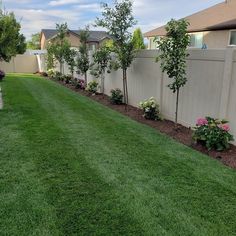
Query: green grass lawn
(70,166)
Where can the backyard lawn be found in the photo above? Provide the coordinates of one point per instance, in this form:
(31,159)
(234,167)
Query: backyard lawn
(70,166)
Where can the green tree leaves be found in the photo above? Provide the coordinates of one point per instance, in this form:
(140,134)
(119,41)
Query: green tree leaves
(138,40)
(12,42)
(34,43)
(173,53)
(83,57)
(118,21)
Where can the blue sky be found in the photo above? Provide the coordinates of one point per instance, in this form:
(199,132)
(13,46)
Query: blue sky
(37,14)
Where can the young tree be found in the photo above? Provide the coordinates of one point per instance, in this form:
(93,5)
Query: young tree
(50,59)
(173,53)
(12,42)
(34,43)
(61,45)
(118,21)
(69,56)
(83,57)
(138,40)
(102,59)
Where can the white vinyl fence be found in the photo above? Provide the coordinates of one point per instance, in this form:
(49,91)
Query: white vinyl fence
(21,64)
(210,90)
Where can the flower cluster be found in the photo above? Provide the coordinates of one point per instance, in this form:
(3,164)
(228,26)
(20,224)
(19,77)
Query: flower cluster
(202,121)
(78,83)
(213,133)
(92,86)
(81,84)
(150,109)
(51,73)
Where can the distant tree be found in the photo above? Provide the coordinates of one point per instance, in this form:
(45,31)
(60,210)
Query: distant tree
(83,57)
(34,43)
(173,53)
(12,42)
(69,56)
(138,40)
(102,59)
(118,21)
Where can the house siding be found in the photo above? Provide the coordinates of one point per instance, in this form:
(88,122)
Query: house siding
(216,39)
(73,40)
(213,39)
(43,42)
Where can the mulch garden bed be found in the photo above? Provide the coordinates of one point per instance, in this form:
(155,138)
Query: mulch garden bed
(182,134)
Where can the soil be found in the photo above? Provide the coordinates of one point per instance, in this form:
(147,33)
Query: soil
(181,134)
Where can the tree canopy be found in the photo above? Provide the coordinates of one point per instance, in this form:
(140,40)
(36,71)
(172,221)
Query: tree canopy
(118,21)
(101,63)
(138,40)
(83,57)
(12,42)
(173,53)
(61,44)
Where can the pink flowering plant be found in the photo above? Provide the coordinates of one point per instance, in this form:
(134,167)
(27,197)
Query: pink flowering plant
(213,133)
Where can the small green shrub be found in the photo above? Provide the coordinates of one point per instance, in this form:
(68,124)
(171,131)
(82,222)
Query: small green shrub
(150,109)
(213,133)
(92,86)
(44,74)
(78,83)
(68,79)
(60,77)
(116,96)
(2,75)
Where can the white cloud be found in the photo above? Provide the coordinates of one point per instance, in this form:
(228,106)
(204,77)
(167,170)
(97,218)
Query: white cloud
(37,14)
(94,7)
(63,2)
(33,20)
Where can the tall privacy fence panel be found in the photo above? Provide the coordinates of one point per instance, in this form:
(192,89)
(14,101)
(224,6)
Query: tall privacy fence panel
(21,64)
(210,90)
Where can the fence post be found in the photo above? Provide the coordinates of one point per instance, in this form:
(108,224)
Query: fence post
(227,77)
(161,91)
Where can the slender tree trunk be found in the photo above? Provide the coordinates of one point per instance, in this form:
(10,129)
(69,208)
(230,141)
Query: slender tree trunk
(102,83)
(61,67)
(125,88)
(177,107)
(85,79)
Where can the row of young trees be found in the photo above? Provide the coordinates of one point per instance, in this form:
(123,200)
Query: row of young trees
(118,21)
(59,50)
(172,48)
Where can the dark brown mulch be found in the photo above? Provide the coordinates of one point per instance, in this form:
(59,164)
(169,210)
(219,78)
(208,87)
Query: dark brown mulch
(182,134)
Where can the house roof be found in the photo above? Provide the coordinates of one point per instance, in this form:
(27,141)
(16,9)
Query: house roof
(94,36)
(218,17)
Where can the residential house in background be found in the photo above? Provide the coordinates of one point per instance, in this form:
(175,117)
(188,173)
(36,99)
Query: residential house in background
(96,38)
(214,27)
